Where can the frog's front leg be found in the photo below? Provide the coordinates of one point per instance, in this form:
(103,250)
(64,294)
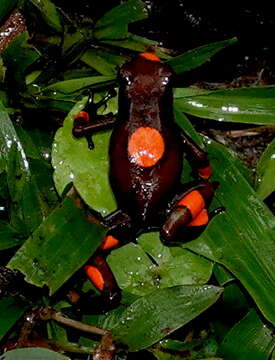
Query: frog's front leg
(188,212)
(87,122)
(97,269)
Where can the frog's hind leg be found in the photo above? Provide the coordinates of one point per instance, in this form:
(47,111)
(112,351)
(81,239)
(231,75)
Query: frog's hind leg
(97,268)
(188,215)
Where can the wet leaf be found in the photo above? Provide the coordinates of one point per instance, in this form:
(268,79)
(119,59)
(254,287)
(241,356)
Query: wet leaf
(32,354)
(88,169)
(244,105)
(74,85)
(154,316)
(9,237)
(19,52)
(258,338)
(59,247)
(48,13)
(136,273)
(198,56)
(104,62)
(27,205)
(265,176)
(11,309)
(242,238)
(114,24)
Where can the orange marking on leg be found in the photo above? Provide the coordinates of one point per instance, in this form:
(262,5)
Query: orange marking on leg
(149,56)
(109,242)
(95,277)
(201,219)
(205,173)
(194,202)
(146,146)
(82,114)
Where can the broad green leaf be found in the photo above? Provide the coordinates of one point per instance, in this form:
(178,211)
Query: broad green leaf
(250,339)
(5,7)
(137,43)
(11,309)
(9,237)
(49,13)
(265,176)
(222,275)
(242,238)
(114,24)
(244,105)
(33,354)
(204,347)
(106,63)
(154,316)
(137,274)
(27,206)
(73,85)
(198,56)
(59,247)
(19,52)
(87,169)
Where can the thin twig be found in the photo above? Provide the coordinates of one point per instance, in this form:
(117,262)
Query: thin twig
(48,313)
(251,132)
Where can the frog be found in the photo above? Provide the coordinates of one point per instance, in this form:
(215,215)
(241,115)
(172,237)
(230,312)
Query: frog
(146,153)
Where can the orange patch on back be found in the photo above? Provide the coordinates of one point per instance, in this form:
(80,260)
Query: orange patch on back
(194,202)
(201,219)
(109,242)
(95,276)
(206,172)
(149,56)
(146,146)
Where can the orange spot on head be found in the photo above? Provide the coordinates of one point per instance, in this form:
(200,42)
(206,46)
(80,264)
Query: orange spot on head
(95,277)
(109,242)
(205,173)
(150,56)
(201,219)
(194,202)
(146,146)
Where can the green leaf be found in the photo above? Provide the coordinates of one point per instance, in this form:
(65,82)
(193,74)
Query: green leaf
(27,205)
(242,238)
(154,316)
(5,8)
(137,274)
(114,24)
(9,237)
(19,52)
(265,176)
(198,56)
(11,309)
(73,85)
(33,354)
(48,13)
(88,169)
(244,105)
(250,339)
(137,43)
(55,250)
(104,62)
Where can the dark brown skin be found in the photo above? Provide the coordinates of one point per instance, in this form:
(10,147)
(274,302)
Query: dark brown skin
(145,171)
(145,100)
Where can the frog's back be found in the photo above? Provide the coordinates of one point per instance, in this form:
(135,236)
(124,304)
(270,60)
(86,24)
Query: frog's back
(145,148)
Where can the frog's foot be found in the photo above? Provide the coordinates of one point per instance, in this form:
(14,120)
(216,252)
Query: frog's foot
(189,215)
